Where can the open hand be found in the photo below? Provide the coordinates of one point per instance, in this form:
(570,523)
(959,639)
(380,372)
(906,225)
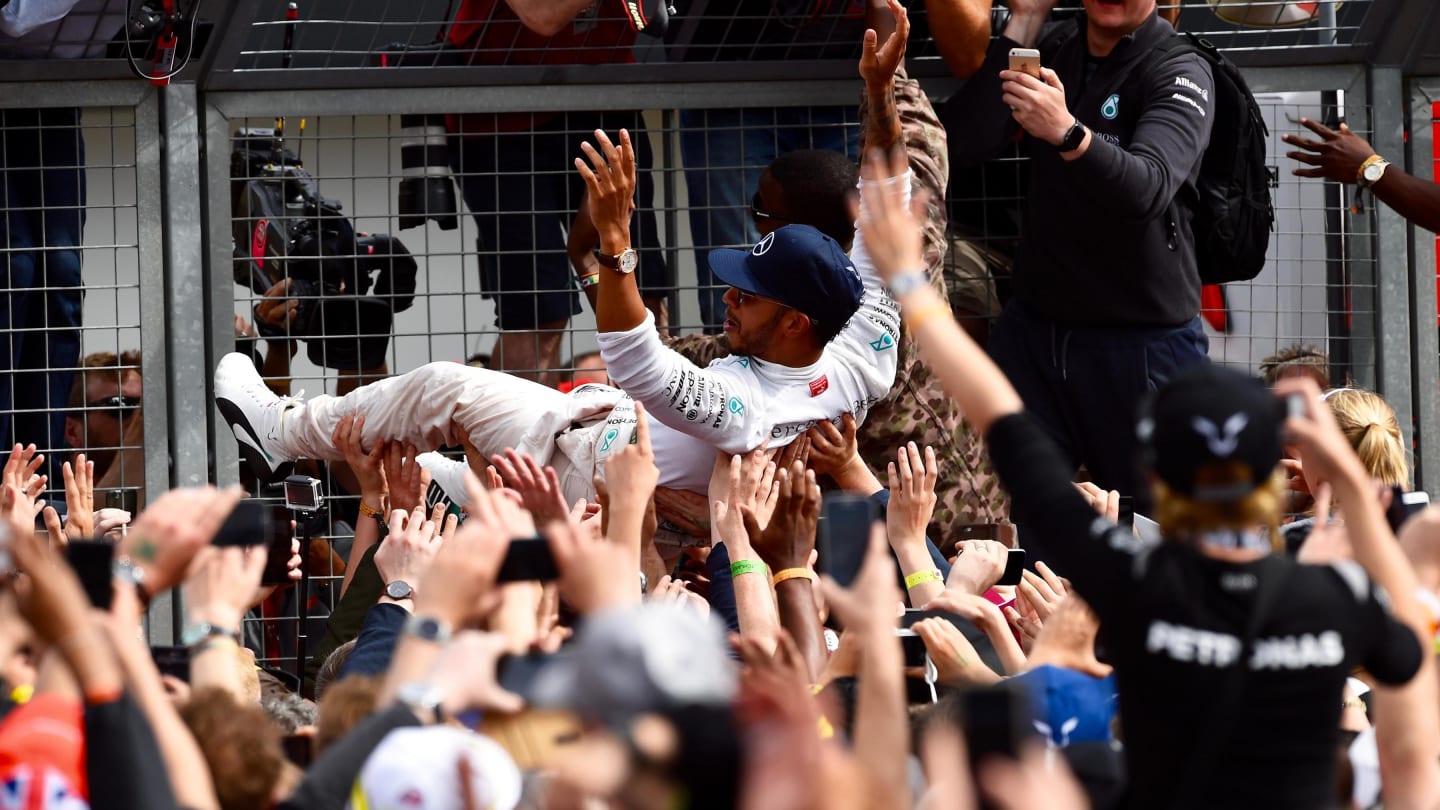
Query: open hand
(880,60)
(610,183)
(789,538)
(79,498)
(1336,156)
(539,487)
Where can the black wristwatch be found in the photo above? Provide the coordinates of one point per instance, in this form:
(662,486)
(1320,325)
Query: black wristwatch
(1073,138)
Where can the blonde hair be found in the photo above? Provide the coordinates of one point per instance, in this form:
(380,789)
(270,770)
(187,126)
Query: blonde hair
(1179,516)
(1370,426)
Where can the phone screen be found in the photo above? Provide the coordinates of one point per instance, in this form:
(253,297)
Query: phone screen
(844,535)
(93,561)
(529,559)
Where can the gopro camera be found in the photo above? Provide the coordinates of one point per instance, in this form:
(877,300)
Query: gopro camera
(302,494)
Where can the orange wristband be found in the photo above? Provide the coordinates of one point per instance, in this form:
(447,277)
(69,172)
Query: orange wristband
(792,573)
(99,697)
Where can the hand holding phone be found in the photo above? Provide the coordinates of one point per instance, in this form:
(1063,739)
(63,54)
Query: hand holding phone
(1025,60)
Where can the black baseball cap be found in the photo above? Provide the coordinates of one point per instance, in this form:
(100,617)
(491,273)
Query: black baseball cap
(1212,434)
(798,266)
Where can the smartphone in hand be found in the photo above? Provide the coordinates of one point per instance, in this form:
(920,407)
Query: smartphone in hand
(1025,60)
(843,536)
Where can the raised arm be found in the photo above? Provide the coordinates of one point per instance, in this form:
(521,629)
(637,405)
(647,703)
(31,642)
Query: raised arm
(961,29)
(882,54)
(1026,459)
(610,184)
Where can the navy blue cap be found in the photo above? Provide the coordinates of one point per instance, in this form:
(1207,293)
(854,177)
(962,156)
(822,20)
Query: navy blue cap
(801,268)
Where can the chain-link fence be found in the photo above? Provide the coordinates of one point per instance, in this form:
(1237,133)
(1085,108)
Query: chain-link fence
(346,209)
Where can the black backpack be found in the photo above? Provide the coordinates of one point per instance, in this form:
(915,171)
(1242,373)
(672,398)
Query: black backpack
(1233,213)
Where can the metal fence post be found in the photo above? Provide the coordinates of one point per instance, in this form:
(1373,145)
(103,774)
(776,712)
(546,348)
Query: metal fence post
(1426,345)
(184,285)
(1392,263)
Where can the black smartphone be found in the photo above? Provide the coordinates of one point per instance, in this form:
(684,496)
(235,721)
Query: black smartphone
(256,523)
(172,661)
(1126,518)
(1404,505)
(1014,567)
(912,645)
(93,561)
(969,531)
(249,524)
(996,720)
(528,559)
(844,535)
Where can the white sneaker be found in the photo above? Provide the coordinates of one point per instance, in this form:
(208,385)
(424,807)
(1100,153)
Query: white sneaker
(447,480)
(254,413)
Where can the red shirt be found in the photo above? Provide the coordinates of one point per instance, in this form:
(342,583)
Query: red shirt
(494,35)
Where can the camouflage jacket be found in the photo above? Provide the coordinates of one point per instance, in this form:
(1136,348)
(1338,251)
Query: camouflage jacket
(917,409)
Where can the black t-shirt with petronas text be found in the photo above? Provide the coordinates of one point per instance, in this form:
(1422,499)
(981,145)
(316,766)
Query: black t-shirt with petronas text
(1173,620)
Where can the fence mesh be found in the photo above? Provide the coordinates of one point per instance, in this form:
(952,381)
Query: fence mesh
(69,239)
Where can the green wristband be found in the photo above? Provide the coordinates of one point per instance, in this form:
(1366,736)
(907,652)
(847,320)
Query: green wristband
(746,567)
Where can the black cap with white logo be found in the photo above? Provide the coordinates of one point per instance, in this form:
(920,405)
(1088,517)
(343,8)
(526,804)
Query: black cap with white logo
(1212,434)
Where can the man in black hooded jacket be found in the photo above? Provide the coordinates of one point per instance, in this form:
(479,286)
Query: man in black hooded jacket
(1106,290)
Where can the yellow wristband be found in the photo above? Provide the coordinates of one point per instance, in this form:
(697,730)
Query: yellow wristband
(589,280)
(792,573)
(369,511)
(924,314)
(922,577)
(746,567)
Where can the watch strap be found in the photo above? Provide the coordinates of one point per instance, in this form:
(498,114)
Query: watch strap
(199,632)
(606,260)
(1073,137)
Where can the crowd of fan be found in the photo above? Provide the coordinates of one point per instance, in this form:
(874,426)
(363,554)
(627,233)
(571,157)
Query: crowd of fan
(565,612)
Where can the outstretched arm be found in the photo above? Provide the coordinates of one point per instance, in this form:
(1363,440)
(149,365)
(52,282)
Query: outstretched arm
(1338,156)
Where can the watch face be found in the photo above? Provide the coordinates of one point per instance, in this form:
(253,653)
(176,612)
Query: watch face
(1374,171)
(399,589)
(628,261)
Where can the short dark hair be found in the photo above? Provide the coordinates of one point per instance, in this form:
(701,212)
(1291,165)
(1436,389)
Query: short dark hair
(816,185)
